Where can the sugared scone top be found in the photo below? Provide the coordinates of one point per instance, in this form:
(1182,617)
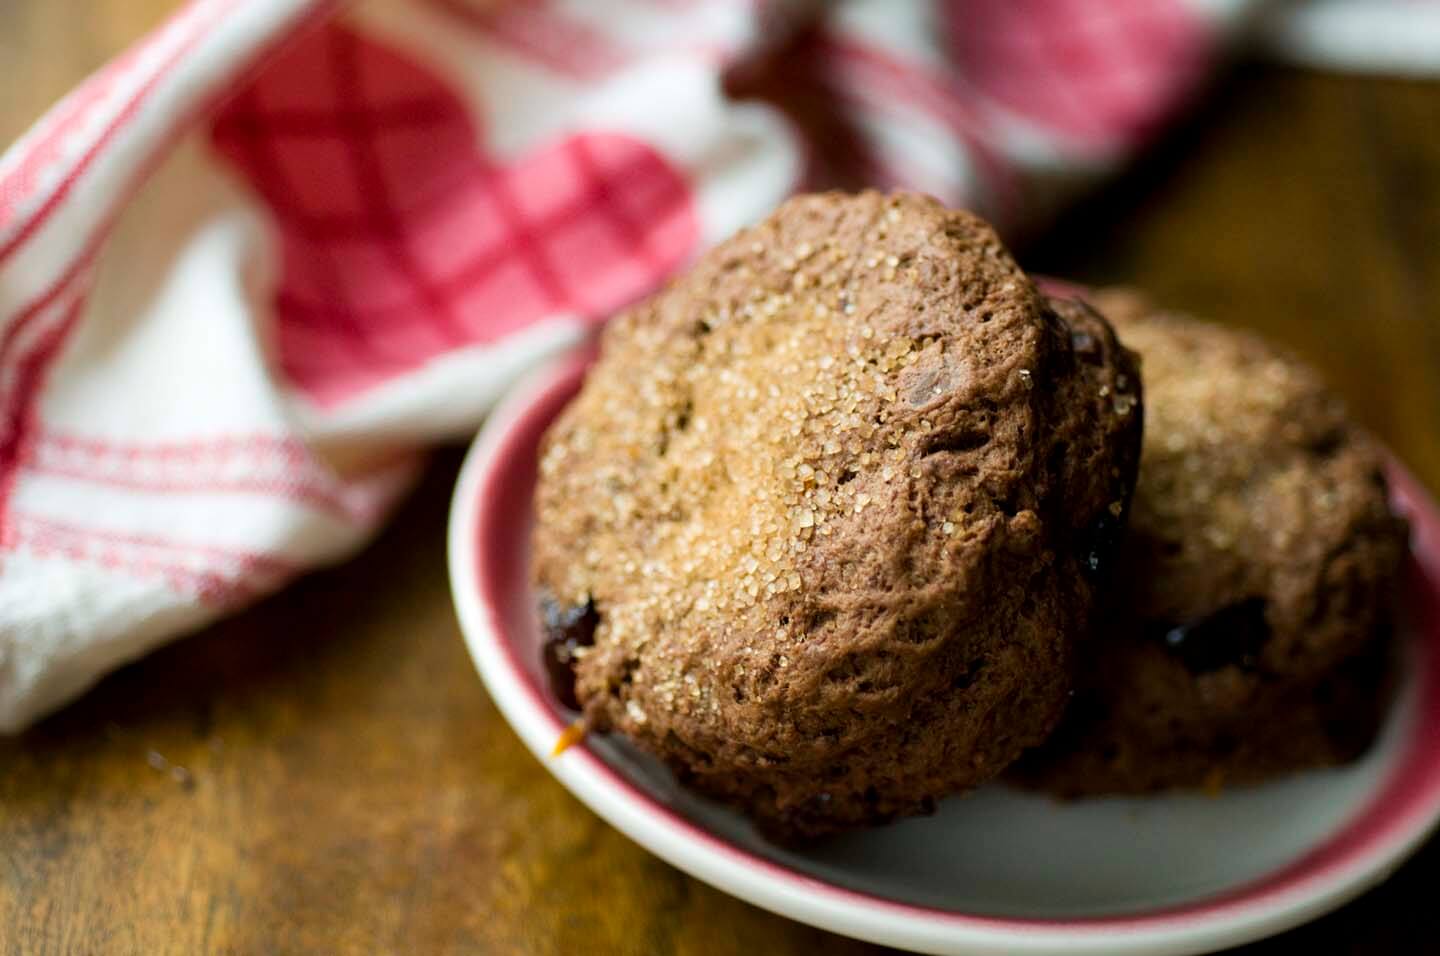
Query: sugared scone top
(851,458)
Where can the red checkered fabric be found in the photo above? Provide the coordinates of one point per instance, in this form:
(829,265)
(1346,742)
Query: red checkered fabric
(539,32)
(1103,72)
(403,238)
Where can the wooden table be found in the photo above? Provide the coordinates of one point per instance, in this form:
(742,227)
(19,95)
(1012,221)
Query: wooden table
(324,773)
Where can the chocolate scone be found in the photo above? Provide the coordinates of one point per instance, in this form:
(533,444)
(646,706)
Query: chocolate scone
(1249,633)
(824,521)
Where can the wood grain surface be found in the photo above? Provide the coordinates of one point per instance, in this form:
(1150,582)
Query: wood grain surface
(324,773)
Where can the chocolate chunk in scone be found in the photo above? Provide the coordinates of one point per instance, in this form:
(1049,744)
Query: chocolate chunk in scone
(840,499)
(1249,626)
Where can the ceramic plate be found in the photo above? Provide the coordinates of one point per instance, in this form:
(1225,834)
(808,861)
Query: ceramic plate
(997,871)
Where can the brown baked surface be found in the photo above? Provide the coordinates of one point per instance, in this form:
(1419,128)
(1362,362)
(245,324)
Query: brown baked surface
(834,496)
(1250,613)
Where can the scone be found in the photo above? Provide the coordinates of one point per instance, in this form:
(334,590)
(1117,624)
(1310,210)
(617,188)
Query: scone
(1249,629)
(824,522)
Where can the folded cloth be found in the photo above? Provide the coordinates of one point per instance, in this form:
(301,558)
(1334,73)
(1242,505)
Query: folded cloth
(250,269)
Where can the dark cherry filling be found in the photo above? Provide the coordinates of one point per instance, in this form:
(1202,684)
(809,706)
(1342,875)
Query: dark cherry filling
(1233,635)
(567,627)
